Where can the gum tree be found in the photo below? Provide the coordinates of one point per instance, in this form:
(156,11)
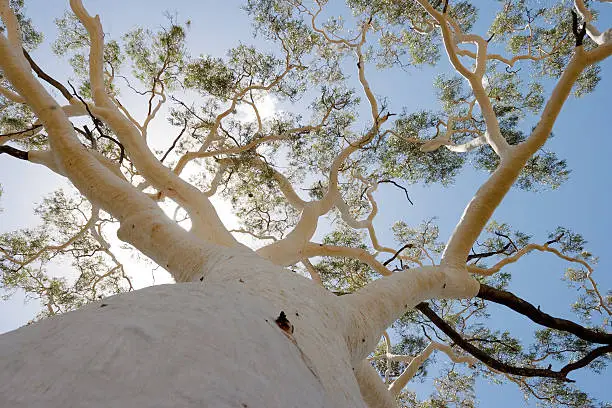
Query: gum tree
(296,321)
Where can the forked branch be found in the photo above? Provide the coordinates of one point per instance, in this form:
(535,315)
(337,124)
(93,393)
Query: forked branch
(500,366)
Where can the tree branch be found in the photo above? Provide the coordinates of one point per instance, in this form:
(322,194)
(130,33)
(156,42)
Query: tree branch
(11,151)
(43,75)
(205,221)
(502,367)
(388,261)
(97,123)
(20,133)
(400,187)
(373,308)
(175,142)
(489,254)
(579,32)
(525,308)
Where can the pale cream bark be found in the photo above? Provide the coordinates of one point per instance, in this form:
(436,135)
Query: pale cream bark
(216,342)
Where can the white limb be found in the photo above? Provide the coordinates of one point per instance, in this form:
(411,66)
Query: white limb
(284,184)
(96,233)
(393,357)
(467,146)
(373,308)
(290,249)
(46,158)
(213,134)
(368,222)
(312,250)
(481,207)
(205,220)
(10,95)
(152,111)
(205,152)
(127,114)
(444,139)
(410,371)
(314,274)
(216,181)
(451,39)
(388,350)
(13,32)
(398,385)
(75,109)
(143,223)
(435,144)
(373,390)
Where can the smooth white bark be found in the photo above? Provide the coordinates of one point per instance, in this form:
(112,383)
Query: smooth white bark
(183,345)
(215,342)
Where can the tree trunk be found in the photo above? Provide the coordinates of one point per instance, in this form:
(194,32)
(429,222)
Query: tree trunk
(213,343)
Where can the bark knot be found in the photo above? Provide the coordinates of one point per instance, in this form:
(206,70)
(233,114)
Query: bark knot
(284,323)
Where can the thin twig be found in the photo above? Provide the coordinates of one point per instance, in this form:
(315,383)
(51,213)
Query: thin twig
(398,186)
(97,123)
(175,142)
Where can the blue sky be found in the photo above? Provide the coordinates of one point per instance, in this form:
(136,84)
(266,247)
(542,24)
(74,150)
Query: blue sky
(583,137)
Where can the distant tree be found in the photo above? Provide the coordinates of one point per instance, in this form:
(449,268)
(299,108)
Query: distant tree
(247,328)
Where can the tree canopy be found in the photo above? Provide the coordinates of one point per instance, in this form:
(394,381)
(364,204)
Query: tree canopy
(302,180)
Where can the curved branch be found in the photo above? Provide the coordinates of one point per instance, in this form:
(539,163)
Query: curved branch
(10,95)
(313,249)
(374,307)
(491,193)
(416,362)
(205,221)
(502,367)
(143,223)
(314,274)
(543,248)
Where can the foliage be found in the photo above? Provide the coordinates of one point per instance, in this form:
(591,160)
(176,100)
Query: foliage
(335,140)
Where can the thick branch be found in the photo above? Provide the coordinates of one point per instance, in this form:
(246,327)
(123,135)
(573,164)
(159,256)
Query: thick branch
(373,390)
(501,366)
(491,193)
(373,308)
(205,221)
(143,223)
(525,308)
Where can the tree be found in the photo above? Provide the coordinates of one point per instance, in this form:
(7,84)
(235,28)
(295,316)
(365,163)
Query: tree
(244,327)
